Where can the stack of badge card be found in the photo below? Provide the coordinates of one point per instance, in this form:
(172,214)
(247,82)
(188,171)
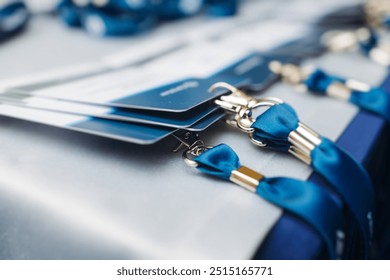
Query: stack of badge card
(141,104)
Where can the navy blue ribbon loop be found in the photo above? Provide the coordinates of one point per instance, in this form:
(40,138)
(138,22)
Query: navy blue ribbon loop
(309,202)
(375,100)
(319,81)
(274,126)
(372,41)
(223,8)
(101,23)
(348,178)
(13,19)
(124,17)
(219,161)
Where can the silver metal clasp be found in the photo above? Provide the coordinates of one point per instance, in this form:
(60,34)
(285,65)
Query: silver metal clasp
(242,176)
(290,73)
(303,140)
(376,11)
(193,144)
(241,106)
(296,76)
(342,41)
(233,102)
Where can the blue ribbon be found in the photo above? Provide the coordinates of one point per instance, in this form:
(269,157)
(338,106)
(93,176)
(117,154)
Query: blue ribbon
(105,22)
(386,21)
(125,5)
(222,8)
(348,178)
(101,23)
(70,14)
(311,203)
(123,17)
(376,100)
(370,43)
(172,9)
(13,18)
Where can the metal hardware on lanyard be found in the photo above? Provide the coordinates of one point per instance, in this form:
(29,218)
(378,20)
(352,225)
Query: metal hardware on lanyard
(303,140)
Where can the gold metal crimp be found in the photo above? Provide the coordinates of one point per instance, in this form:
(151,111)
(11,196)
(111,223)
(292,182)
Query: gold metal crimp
(246,178)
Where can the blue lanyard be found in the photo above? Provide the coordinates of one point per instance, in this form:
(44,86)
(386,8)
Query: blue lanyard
(13,18)
(279,129)
(307,201)
(374,100)
(122,17)
(222,7)
(102,22)
(349,179)
(365,40)
(371,42)
(371,99)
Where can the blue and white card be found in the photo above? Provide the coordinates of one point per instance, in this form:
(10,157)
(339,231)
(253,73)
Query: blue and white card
(125,131)
(178,96)
(169,119)
(184,76)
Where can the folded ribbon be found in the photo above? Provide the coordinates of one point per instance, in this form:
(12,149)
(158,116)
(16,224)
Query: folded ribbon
(375,100)
(13,18)
(347,177)
(309,202)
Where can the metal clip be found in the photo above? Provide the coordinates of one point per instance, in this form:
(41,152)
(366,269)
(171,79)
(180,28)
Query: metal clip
(194,146)
(340,41)
(290,73)
(381,54)
(376,11)
(233,102)
(296,76)
(303,140)
(241,105)
(243,176)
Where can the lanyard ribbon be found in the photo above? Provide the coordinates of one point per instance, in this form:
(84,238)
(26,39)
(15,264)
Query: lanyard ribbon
(105,22)
(311,203)
(274,128)
(374,100)
(364,39)
(124,17)
(371,41)
(13,18)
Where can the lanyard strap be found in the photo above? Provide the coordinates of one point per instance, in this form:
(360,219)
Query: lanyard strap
(13,18)
(369,42)
(124,17)
(374,100)
(309,202)
(364,39)
(276,128)
(102,22)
